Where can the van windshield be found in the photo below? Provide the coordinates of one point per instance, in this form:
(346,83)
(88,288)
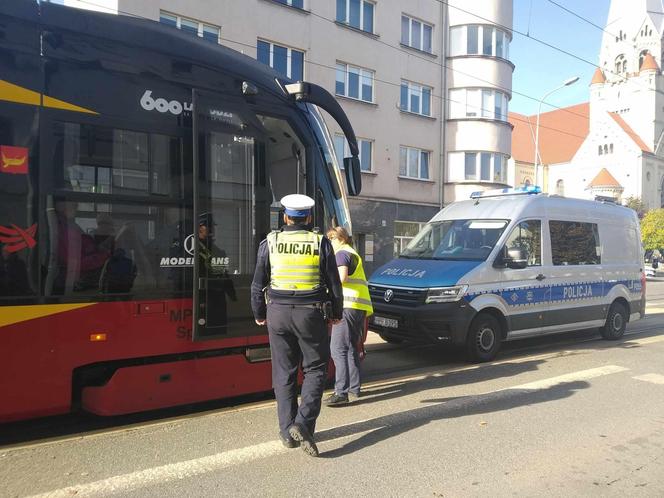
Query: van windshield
(470,240)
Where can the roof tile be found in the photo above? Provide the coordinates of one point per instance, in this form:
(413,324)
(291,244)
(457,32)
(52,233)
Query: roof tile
(604,179)
(631,133)
(561,134)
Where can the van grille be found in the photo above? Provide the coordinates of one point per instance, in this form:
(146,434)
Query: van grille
(401,297)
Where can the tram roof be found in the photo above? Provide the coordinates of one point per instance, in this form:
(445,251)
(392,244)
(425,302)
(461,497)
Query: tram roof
(147,34)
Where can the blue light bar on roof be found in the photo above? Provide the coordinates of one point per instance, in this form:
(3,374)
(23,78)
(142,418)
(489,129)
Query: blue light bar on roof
(530,189)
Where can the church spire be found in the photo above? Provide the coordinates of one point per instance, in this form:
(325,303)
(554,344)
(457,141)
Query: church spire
(598,77)
(649,64)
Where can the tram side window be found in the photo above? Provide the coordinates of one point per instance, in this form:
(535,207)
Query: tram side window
(104,160)
(19,227)
(118,225)
(116,248)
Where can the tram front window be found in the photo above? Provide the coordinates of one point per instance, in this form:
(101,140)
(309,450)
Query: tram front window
(330,198)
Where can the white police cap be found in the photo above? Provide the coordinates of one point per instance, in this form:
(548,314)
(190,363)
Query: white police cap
(297,204)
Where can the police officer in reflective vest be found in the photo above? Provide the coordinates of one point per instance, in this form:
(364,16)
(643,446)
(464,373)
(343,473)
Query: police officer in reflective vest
(297,267)
(347,334)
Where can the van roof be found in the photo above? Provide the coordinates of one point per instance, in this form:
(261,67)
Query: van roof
(509,207)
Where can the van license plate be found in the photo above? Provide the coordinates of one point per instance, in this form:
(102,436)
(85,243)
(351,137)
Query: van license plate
(386,322)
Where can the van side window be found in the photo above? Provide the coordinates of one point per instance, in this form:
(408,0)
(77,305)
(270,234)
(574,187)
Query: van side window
(574,243)
(527,235)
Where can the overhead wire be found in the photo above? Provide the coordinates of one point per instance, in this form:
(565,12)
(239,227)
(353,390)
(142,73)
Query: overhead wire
(584,19)
(547,44)
(513,117)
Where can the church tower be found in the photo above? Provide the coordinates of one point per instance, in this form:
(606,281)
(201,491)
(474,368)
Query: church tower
(630,82)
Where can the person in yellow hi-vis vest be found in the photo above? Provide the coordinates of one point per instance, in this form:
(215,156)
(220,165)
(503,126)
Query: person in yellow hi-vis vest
(347,333)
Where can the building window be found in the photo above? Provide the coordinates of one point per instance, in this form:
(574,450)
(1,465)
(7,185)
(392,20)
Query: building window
(415,98)
(292,3)
(414,163)
(478,102)
(642,56)
(560,187)
(356,13)
(342,150)
(209,32)
(574,243)
(610,148)
(287,61)
(404,232)
(355,82)
(480,166)
(416,34)
(621,64)
(599,150)
(470,166)
(479,40)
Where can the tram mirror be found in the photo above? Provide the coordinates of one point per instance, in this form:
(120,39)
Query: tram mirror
(353,175)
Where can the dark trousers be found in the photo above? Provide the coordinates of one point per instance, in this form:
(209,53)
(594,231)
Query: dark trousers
(298,333)
(345,336)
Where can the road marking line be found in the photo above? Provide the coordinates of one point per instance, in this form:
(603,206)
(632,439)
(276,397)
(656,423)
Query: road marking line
(652,378)
(571,377)
(169,472)
(189,468)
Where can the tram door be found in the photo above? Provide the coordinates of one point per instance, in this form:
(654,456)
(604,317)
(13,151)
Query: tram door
(224,222)
(243,164)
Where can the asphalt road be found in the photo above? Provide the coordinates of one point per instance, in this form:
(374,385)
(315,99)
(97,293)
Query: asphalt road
(569,414)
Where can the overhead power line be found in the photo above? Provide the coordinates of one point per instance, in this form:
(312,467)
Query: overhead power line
(391,83)
(584,19)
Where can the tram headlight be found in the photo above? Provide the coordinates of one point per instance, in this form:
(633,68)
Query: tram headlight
(445,294)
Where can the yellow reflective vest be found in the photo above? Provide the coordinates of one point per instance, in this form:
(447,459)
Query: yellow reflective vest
(356,288)
(295,260)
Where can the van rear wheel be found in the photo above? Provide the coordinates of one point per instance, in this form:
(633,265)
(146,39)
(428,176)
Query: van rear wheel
(616,321)
(484,337)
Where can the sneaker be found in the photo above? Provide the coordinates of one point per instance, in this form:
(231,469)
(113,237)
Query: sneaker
(288,441)
(336,399)
(302,435)
(353,397)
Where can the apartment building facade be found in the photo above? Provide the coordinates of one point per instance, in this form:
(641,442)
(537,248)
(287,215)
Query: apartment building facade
(426,85)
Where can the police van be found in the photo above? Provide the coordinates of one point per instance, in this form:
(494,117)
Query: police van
(510,264)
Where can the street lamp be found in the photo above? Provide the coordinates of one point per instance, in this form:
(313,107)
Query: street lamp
(567,82)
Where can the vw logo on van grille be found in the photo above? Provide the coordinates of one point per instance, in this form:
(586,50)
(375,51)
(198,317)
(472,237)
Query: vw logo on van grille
(389,294)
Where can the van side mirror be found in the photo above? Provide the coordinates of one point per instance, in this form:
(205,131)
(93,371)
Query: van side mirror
(353,175)
(515,258)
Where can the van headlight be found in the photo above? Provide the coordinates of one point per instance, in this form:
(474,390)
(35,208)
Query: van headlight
(445,294)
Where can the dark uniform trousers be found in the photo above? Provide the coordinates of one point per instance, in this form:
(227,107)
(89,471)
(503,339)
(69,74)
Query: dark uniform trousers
(298,332)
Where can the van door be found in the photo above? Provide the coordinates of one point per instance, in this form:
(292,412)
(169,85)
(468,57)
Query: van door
(526,290)
(575,276)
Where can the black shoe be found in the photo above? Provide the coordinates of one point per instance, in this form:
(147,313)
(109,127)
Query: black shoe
(288,441)
(302,435)
(336,399)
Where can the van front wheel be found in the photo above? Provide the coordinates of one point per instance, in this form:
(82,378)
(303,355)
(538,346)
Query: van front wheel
(484,336)
(616,321)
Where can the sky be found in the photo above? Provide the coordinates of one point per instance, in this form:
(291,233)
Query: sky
(539,69)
